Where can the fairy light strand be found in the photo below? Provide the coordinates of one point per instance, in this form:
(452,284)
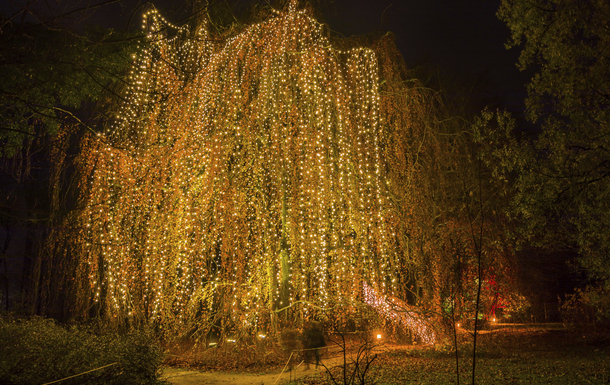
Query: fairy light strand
(216,144)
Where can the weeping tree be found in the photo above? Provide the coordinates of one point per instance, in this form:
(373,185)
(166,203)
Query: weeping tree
(446,212)
(242,178)
(260,175)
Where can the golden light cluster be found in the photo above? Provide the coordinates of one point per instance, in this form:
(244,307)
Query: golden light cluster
(240,177)
(398,312)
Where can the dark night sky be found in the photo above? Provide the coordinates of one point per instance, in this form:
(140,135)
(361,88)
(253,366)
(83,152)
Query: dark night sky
(463,38)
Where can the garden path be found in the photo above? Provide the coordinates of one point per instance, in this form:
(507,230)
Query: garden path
(183,376)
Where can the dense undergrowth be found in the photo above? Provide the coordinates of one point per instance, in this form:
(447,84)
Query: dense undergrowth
(38,351)
(254,357)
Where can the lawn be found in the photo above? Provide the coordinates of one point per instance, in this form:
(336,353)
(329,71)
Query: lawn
(508,355)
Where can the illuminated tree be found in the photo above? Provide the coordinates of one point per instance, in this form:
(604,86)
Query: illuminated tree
(266,174)
(241,178)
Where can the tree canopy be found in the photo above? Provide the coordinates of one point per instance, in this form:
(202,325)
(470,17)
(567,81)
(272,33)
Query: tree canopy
(51,75)
(562,172)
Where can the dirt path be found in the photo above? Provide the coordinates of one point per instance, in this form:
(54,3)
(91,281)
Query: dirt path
(192,377)
(177,376)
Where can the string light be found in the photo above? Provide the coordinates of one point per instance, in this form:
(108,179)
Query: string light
(405,316)
(234,168)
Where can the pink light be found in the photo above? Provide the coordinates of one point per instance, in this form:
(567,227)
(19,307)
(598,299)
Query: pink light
(407,319)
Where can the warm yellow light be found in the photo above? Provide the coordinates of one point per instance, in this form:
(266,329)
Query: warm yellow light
(225,150)
(407,319)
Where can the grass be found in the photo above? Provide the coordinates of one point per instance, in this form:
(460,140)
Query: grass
(508,355)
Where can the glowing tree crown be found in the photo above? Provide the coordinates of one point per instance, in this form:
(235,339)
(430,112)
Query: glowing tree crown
(240,177)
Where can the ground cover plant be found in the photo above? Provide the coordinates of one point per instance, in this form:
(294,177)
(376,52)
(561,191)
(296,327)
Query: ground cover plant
(527,355)
(39,351)
(256,356)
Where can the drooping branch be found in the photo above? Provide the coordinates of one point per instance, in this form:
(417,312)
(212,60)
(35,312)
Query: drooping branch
(244,163)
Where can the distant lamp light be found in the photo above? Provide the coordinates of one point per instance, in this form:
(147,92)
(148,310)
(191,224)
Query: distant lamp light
(231,340)
(262,336)
(212,344)
(493,320)
(458,324)
(378,336)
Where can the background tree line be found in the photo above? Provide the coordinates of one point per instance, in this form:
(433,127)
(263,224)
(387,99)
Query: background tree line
(558,172)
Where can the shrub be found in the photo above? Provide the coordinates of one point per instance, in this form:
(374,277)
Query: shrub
(587,307)
(37,351)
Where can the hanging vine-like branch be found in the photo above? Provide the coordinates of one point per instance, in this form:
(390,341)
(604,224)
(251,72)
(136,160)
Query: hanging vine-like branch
(239,178)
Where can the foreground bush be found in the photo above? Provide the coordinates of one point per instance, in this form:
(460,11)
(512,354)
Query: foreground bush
(38,351)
